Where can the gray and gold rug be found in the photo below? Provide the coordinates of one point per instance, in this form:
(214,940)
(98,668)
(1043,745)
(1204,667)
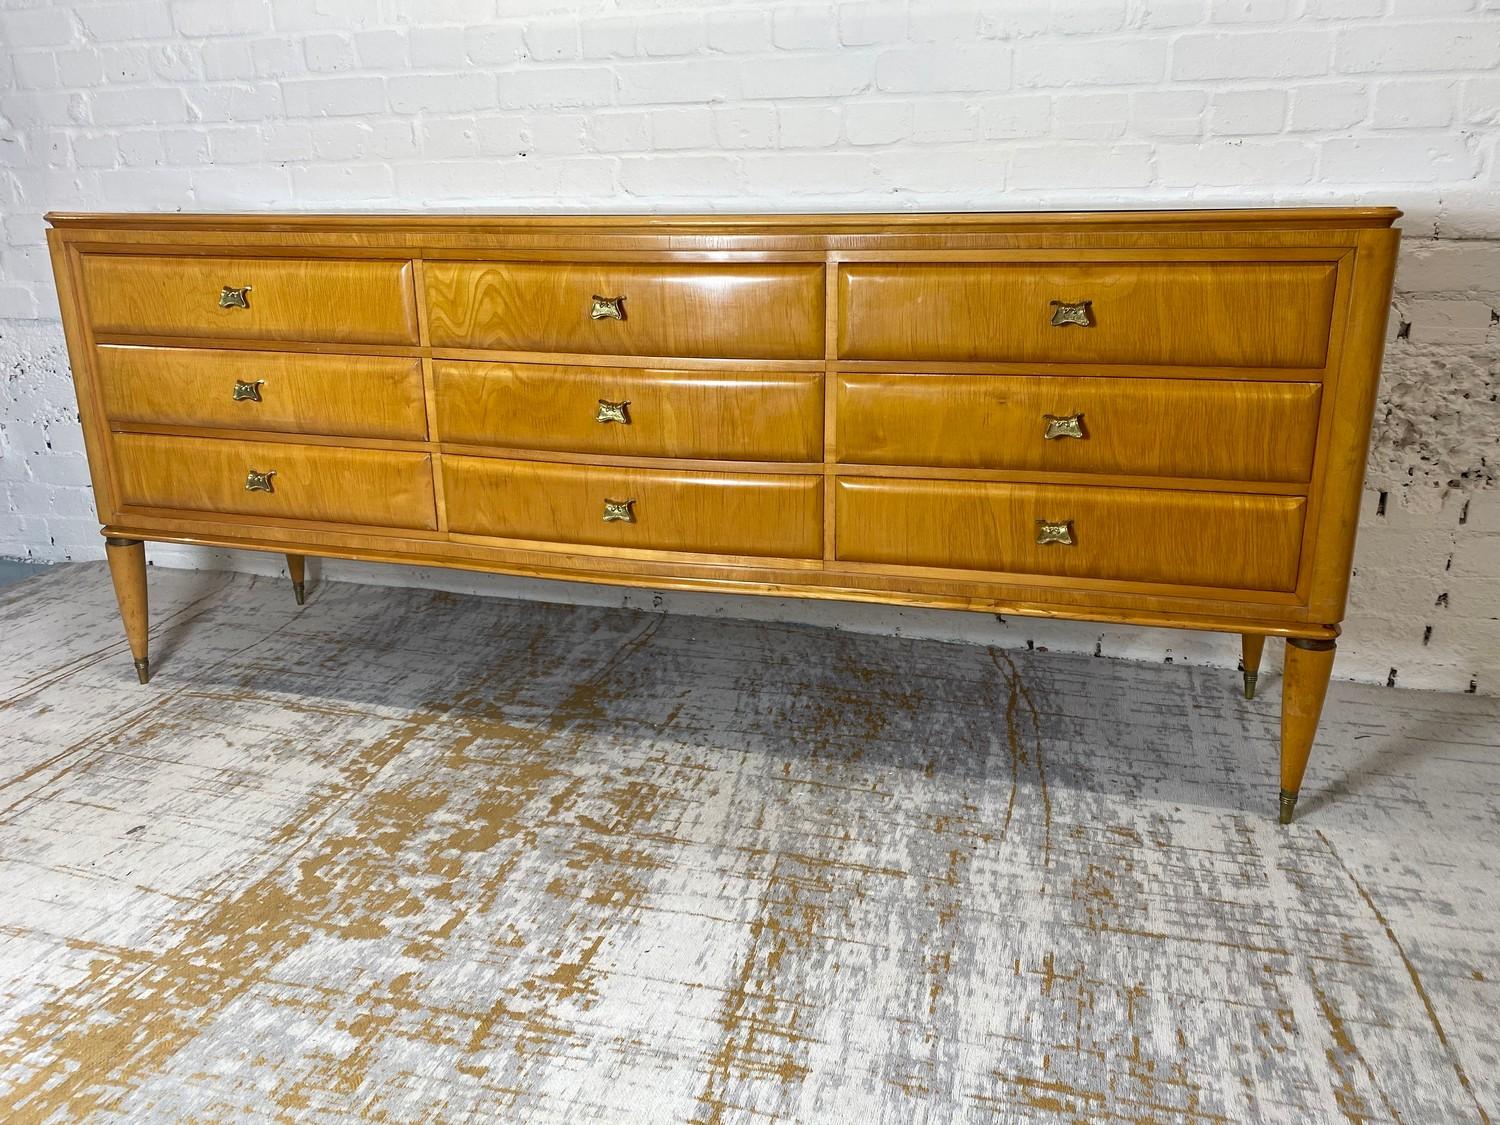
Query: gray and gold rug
(404,856)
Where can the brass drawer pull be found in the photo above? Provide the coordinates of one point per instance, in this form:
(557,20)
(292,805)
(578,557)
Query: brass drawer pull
(234,297)
(1080,313)
(259,482)
(619,511)
(1049,532)
(248,392)
(607,308)
(1062,425)
(613,412)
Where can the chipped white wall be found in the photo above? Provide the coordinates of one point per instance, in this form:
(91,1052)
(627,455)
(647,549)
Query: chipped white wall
(662,104)
(1425,599)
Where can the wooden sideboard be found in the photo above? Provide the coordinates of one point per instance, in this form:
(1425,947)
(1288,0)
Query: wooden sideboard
(1157,418)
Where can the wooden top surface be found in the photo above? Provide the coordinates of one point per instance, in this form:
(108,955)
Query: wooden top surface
(971,222)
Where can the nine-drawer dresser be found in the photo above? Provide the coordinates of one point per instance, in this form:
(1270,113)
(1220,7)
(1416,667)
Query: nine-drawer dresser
(1142,417)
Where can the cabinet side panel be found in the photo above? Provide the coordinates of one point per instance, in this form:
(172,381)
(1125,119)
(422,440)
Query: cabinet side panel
(1347,442)
(85,383)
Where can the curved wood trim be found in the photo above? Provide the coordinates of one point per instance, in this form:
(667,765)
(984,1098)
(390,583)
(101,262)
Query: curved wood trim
(1280,218)
(1169,618)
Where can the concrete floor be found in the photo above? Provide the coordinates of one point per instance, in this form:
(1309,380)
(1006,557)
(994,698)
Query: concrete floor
(404,855)
(13,570)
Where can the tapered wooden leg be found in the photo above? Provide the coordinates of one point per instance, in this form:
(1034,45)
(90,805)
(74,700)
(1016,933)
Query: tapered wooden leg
(1304,683)
(1251,646)
(296,566)
(127,567)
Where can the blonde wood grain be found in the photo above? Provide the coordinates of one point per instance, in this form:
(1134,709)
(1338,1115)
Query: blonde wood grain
(1304,686)
(1060,587)
(1037,476)
(1347,426)
(1333,230)
(600,244)
(79,339)
(1273,314)
(244,344)
(681,572)
(583,359)
(311,482)
(1188,538)
(1152,427)
(1226,386)
(596,555)
(1069,252)
(736,311)
(429,393)
(342,396)
(1083,370)
(830,403)
(127,572)
(300,438)
(763,416)
(419,280)
(718,513)
(331,300)
(563,457)
(942,225)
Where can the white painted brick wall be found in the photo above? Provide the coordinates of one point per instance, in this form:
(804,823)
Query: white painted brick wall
(661,104)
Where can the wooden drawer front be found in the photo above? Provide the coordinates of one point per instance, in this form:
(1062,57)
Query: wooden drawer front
(745,416)
(323,483)
(766,514)
(326,299)
(1142,535)
(340,395)
(1211,314)
(734,311)
(1247,430)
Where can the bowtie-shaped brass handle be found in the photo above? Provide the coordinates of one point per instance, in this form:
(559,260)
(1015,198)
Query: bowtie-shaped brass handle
(613,412)
(619,511)
(259,482)
(234,297)
(1048,531)
(248,392)
(607,308)
(1080,313)
(1062,425)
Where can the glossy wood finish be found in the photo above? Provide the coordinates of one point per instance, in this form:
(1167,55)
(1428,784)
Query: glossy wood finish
(1033,596)
(338,395)
(324,483)
(1346,425)
(720,513)
(732,310)
(1251,647)
(1304,684)
(344,301)
(733,415)
(826,228)
(1225,379)
(127,570)
(1220,430)
(1237,314)
(1140,535)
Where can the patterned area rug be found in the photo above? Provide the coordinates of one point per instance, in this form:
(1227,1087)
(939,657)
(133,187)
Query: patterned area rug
(404,856)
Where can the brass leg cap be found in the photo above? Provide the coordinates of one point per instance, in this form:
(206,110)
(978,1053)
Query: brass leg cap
(1250,678)
(1288,805)
(143,670)
(299,591)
